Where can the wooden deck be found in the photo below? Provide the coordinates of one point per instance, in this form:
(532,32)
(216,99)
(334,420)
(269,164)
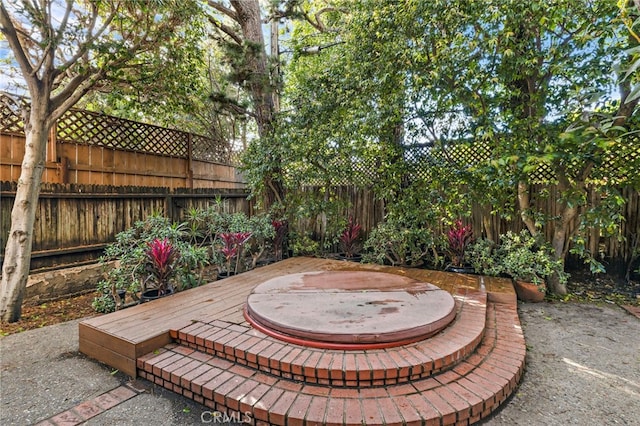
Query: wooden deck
(120,338)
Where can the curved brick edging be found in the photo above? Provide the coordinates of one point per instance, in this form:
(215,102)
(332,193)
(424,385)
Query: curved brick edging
(319,344)
(345,368)
(349,310)
(464,394)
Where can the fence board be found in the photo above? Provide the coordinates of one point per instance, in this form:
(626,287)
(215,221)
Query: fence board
(71,218)
(368,212)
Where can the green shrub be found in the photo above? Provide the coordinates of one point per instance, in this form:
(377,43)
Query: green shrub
(519,256)
(397,244)
(130,252)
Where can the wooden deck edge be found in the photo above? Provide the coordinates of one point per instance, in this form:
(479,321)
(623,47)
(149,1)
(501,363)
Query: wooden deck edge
(108,357)
(115,351)
(499,290)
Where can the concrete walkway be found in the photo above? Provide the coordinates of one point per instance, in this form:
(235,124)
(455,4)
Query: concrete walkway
(42,375)
(44,379)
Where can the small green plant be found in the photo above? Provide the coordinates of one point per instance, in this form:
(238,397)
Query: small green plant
(396,244)
(104,303)
(519,256)
(481,254)
(303,245)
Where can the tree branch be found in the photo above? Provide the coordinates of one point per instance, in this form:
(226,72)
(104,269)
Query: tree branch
(225,29)
(7,28)
(626,108)
(223,9)
(91,37)
(61,105)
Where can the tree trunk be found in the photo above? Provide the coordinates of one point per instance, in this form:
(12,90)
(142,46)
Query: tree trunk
(524,203)
(559,243)
(17,255)
(261,87)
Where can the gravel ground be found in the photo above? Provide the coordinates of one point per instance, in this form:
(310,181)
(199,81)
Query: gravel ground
(583,368)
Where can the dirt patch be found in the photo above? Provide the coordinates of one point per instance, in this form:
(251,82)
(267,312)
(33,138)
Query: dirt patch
(602,287)
(50,313)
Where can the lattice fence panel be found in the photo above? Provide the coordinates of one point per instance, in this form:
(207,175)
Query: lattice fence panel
(84,127)
(207,149)
(10,118)
(625,161)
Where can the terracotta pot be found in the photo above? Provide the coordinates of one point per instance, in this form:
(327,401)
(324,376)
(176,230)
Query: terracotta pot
(529,292)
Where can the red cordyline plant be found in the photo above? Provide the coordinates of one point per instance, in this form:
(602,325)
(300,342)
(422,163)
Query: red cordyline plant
(232,246)
(349,238)
(161,256)
(459,237)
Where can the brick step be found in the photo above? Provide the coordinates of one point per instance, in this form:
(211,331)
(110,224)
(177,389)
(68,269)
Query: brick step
(247,346)
(462,395)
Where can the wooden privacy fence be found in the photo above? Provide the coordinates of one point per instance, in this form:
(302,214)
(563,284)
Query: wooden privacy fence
(75,222)
(361,203)
(96,149)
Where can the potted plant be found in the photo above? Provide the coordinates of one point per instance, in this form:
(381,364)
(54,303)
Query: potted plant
(459,237)
(529,263)
(522,257)
(349,241)
(232,244)
(161,258)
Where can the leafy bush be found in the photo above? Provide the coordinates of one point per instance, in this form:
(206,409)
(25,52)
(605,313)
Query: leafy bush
(519,255)
(132,270)
(396,244)
(482,256)
(303,245)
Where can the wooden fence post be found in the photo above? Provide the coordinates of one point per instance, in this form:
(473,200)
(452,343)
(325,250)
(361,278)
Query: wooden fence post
(168,207)
(61,163)
(52,149)
(189,161)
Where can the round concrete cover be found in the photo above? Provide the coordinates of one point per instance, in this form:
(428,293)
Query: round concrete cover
(351,307)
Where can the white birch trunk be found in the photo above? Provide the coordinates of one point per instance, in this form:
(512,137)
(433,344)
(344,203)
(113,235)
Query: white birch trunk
(17,255)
